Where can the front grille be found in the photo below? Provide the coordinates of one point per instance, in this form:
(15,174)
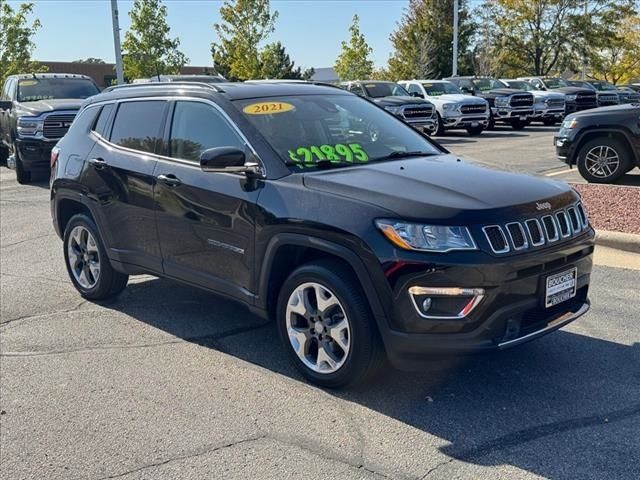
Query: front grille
(57,125)
(521,100)
(414,113)
(555,103)
(608,99)
(586,99)
(535,232)
(478,108)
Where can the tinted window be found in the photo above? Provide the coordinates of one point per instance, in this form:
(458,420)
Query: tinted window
(413,88)
(378,90)
(34,89)
(101,123)
(138,125)
(197,127)
(440,88)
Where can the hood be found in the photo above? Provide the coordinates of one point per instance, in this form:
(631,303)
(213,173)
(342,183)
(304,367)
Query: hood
(503,92)
(442,188)
(541,94)
(458,98)
(573,90)
(398,101)
(44,106)
(632,109)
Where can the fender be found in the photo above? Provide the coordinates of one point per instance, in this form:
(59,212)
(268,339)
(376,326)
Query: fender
(606,130)
(327,246)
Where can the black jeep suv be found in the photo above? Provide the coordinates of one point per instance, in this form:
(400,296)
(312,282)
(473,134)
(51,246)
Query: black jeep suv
(604,143)
(314,207)
(36,111)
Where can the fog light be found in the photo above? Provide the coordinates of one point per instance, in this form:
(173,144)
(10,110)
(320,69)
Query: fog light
(445,303)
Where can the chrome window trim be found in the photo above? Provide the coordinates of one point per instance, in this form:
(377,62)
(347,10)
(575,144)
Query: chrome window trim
(507,248)
(542,236)
(164,158)
(524,236)
(546,231)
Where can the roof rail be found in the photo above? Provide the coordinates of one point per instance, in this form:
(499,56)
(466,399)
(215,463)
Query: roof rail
(162,84)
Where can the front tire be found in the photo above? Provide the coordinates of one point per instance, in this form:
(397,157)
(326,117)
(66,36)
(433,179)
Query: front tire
(87,262)
(603,160)
(23,176)
(518,124)
(439,131)
(475,130)
(326,326)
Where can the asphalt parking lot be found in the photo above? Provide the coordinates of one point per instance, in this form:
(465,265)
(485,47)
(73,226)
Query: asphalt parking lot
(172,382)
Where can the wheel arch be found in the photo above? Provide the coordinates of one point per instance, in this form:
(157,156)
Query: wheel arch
(286,252)
(614,133)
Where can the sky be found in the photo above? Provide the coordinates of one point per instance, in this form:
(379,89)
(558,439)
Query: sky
(311,30)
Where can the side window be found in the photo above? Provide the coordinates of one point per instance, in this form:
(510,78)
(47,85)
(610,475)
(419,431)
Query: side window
(138,125)
(103,118)
(357,89)
(468,85)
(196,127)
(413,88)
(8,90)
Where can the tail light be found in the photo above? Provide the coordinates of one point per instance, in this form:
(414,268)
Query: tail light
(55,152)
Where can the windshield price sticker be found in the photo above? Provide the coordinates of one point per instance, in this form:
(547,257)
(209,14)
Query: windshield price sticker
(28,83)
(268,108)
(339,153)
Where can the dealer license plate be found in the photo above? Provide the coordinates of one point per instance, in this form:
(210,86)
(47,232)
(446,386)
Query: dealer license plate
(561,287)
(523,117)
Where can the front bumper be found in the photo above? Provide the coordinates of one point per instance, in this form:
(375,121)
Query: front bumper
(564,149)
(578,107)
(511,313)
(423,124)
(542,113)
(465,121)
(509,114)
(35,154)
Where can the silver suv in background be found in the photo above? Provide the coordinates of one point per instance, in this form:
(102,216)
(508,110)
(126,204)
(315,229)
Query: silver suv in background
(548,107)
(454,108)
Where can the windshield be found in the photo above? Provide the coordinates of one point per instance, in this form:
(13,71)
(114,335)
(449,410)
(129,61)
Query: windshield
(322,131)
(520,85)
(440,88)
(602,86)
(485,84)
(377,90)
(34,89)
(555,82)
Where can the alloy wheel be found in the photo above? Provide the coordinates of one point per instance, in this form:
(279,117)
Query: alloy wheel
(602,161)
(318,328)
(84,257)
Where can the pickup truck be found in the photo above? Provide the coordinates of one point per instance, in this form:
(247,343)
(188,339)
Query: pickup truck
(36,110)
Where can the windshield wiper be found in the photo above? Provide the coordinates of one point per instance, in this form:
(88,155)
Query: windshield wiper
(398,154)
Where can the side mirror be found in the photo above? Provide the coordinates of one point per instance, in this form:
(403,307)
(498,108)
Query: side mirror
(6,105)
(466,90)
(227,160)
(416,94)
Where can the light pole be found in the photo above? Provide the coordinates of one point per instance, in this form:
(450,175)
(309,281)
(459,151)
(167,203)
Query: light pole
(116,41)
(454,70)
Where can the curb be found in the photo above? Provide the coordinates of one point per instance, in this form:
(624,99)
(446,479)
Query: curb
(628,242)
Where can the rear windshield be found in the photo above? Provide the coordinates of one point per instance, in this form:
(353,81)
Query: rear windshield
(34,89)
(378,90)
(310,131)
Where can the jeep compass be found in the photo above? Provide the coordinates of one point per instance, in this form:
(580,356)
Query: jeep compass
(356,233)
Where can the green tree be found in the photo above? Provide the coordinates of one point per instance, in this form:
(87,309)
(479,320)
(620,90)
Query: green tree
(16,40)
(619,60)
(275,63)
(354,63)
(423,40)
(245,25)
(147,48)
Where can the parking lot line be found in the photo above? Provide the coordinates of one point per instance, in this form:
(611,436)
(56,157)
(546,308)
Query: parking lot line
(553,174)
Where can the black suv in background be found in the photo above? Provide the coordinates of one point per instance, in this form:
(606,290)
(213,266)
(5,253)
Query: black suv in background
(417,112)
(603,143)
(508,105)
(577,98)
(36,110)
(316,208)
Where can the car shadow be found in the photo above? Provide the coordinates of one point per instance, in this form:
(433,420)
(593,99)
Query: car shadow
(553,407)
(629,180)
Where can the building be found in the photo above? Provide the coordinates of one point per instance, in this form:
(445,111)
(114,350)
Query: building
(104,74)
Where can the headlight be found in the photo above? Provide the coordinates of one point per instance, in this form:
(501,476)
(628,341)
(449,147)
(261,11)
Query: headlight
(570,123)
(447,107)
(394,110)
(428,238)
(571,98)
(502,101)
(29,126)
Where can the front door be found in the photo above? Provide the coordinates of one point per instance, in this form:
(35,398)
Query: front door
(205,220)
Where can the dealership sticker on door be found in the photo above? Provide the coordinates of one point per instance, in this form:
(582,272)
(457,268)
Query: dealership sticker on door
(561,287)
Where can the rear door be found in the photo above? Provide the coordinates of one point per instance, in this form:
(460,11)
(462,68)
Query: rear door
(119,176)
(205,220)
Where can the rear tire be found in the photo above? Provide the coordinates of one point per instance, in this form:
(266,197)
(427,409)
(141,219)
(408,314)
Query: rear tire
(87,263)
(603,160)
(326,326)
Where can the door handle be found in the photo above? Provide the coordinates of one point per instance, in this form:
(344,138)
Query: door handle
(99,163)
(170,179)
